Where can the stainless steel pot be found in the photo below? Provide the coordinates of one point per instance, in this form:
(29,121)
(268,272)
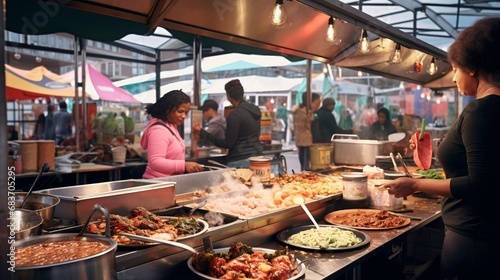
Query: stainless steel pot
(359,152)
(42,204)
(98,266)
(26,223)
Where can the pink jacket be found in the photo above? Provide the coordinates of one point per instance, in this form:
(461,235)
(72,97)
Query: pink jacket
(166,150)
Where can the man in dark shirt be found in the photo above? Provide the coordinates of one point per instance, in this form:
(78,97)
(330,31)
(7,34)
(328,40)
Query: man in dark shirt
(327,124)
(62,123)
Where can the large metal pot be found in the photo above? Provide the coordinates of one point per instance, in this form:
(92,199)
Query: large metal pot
(101,265)
(359,152)
(42,204)
(26,223)
(98,266)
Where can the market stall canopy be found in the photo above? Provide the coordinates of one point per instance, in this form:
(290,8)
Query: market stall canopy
(35,83)
(244,26)
(100,87)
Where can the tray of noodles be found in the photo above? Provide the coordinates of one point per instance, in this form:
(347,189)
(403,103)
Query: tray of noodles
(327,237)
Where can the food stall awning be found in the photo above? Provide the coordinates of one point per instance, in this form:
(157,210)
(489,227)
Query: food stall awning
(35,83)
(240,26)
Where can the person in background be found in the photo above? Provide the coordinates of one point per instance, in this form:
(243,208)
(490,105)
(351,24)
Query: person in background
(327,122)
(62,123)
(380,129)
(346,121)
(398,123)
(242,128)
(302,122)
(469,156)
(49,132)
(40,122)
(367,117)
(216,124)
(161,138)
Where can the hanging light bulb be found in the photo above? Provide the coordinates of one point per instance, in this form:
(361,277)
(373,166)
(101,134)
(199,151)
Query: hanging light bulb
(38,59)
(278,16)
(364,44)
(432,68)
(17,55)
(396,55)
(331,34)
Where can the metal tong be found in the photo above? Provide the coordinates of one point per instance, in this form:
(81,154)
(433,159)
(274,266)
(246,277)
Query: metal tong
(407,172)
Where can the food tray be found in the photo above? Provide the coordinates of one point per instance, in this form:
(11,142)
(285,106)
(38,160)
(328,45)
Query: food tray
(214,219)
(118,197)
(301,268)
(284,235)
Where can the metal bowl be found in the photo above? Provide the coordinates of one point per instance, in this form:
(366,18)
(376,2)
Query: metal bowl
(26,223)
(42,204)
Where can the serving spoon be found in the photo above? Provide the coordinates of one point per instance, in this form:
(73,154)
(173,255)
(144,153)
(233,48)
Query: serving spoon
(299,200)
(162,241)
(44,168)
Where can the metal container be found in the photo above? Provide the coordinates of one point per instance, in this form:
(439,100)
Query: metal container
(43,204)
(359,152)
(26,223)
(98,266)
(119,197)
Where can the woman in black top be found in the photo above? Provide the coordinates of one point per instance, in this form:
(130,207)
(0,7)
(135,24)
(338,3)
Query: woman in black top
(470,155)
(381,129)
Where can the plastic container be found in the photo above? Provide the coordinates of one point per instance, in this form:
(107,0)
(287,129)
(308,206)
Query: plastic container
(321,156)
(355,185)
(119,154)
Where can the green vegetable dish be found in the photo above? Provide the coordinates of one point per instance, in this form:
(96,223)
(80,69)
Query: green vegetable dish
(325,237)
(430,174)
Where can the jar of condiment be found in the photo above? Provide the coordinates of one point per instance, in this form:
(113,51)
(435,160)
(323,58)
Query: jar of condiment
(355,185)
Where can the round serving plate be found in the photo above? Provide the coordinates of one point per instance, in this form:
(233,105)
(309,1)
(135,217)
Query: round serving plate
(301,269)
(339,217)
(202,223)
(285,235)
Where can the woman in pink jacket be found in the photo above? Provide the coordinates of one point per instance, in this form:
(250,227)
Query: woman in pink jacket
(161,139)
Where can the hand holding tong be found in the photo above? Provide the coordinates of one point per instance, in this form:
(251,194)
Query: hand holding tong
(407,172)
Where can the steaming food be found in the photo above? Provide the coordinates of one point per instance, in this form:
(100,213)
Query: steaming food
(261,201)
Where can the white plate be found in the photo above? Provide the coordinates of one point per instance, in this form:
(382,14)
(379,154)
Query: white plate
(301,268)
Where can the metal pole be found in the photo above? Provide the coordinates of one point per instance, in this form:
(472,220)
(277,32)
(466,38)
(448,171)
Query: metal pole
(309,83)
(5,178)
(76,103)
(83,48)
(197,56)
(158,73)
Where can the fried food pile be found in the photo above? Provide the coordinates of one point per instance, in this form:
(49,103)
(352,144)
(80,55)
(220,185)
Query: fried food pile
(142,222)
(241,262)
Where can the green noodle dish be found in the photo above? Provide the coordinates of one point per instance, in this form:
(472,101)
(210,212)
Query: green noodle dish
(325,237)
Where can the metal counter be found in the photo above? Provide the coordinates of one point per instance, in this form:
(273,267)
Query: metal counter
(160,261)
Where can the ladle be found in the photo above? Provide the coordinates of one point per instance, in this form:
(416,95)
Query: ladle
(196,207)
(300,201)
(162,241)
(44,168)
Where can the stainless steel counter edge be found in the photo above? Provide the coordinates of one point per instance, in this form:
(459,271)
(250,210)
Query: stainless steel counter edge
(258,233)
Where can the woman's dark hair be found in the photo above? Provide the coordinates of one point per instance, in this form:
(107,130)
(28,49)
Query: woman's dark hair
(387,115)
(166,104)
(234,89)
(314,97)
(476,47)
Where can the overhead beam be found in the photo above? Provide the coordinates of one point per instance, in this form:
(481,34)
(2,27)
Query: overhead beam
(415,6)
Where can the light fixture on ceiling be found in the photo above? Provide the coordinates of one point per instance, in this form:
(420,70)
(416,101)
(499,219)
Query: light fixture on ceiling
(38,59)
(278,16)
(364,44)
(432,68)
(396,55)
(17,55)
(360,73)
(331,33)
